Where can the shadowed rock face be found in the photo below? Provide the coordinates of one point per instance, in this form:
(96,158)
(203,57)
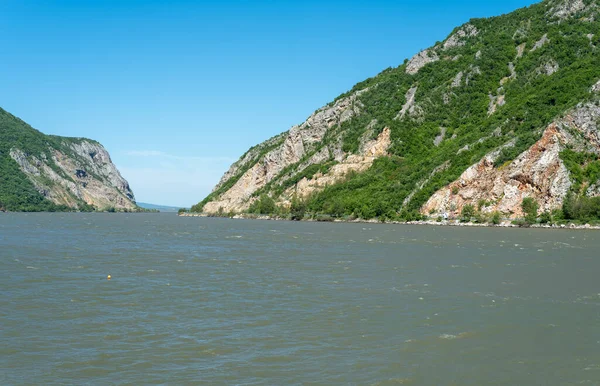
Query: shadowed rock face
(87,175)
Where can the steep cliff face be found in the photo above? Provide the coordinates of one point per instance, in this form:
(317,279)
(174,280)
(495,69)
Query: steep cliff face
(539,172)
(262,164)
(481,117)
(47,172)
(350,163)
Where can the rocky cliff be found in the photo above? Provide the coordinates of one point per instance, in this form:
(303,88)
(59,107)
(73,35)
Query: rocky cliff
(539,172)
(41,172)
(483,118)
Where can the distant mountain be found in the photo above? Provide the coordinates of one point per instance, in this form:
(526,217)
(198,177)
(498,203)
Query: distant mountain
(504,109)
(41,172)
(161,208)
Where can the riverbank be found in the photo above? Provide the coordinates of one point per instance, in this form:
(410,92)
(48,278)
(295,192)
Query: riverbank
(457,223)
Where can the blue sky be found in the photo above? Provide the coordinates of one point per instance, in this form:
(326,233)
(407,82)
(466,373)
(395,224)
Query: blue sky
(178,90)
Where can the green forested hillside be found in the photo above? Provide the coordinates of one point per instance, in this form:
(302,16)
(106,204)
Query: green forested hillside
(18,192)
(504,79)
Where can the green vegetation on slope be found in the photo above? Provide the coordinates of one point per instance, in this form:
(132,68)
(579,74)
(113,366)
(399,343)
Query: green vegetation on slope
(397,186)
(585,172)
(261,150)
(532,103)
(17,192)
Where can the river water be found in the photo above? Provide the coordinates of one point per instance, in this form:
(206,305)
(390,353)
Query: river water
(241,302)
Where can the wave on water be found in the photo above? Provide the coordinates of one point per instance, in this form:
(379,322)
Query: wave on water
(452,336)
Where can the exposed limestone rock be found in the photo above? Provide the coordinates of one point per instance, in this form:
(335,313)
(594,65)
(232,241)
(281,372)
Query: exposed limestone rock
(440,137)
(538,172)
(495,102)
(420,60)
(366,137)
(461,54)
(319,157)
(457,80)
(98,163)
(417,113)
(409,105)
(596,87)
(593,190)
(352,163)
(567,8)
(299,140)
(520,50)
(446,98)
(548,68)
(90,177)
(29,165)
(246,158)
(584,120)
(463,149)
(378,147)
(459,38)
(513,73)
(473,71)
(540,43)
(512,76)
(336,150)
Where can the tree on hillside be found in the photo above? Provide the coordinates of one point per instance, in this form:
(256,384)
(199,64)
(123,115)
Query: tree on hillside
(468,211)
(530,208)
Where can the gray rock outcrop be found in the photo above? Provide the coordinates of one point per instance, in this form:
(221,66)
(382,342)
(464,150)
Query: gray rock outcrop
(294,145)
(459,38)
(538,172)
(84,174)
(420,60)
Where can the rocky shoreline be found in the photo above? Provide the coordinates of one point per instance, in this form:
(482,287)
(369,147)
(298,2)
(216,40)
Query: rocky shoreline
(457,223)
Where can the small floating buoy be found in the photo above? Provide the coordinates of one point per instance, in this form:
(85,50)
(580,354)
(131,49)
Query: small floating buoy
(108,277)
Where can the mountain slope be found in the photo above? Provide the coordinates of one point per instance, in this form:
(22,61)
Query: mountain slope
(390,146)
(47,173)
